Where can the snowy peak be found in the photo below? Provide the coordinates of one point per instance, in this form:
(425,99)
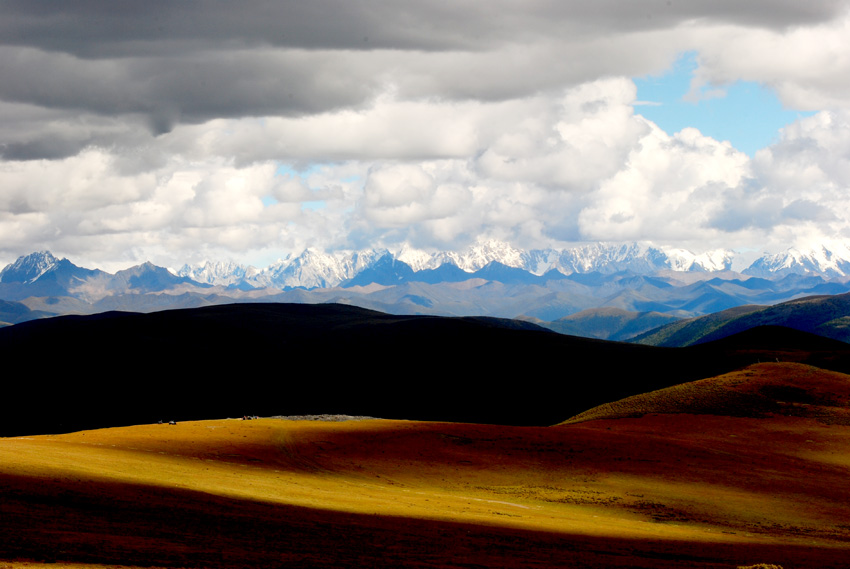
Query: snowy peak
(710,261)
(42,274)
(416,259)
(480,255)
(387,270)
(29,268)
(602,257)
(317,269)
(640,258)
(607,258)
(310,269)
(224,273)
(314,268)
(831,260)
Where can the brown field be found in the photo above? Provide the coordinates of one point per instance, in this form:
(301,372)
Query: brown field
(666,489)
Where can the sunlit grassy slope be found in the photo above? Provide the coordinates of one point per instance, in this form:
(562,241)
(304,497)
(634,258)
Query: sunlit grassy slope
(763,390)
(654,491)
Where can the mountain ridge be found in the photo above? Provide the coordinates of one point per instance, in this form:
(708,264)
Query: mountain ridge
(319,269)
(503,282)
(337,359)
(825,315)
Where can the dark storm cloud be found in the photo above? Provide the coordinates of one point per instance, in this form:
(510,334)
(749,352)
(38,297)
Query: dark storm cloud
(196,86)
(39,149)
(107,29)
(176,62)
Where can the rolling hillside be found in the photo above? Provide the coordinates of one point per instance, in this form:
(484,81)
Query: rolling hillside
(275,359)
(696,480)
(827,316)
(757,391)
(609,323)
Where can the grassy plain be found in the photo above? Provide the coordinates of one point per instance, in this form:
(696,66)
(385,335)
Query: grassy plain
(664,489)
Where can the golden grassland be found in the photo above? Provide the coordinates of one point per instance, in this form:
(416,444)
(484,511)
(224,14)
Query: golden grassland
(768,389)
(653,491)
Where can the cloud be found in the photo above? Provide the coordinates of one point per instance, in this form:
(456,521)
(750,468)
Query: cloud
(92,29)
(173,64)
(576,165)
(159,131)
(807,65)
(666,189)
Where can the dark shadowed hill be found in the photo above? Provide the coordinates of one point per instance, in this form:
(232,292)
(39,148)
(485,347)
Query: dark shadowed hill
(76,372)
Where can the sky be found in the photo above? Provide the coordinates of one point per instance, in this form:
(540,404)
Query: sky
(178,132)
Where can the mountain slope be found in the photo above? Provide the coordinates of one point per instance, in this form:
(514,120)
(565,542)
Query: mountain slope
(272,359)
(659,492)
(16,312)
(492,279)
(42,274)
(147,277)
(683,332)
(823,315)
(759,390)
(609,323)
(830,260)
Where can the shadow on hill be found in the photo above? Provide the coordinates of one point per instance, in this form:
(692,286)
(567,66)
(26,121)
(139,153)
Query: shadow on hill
(78,521)
(80,372)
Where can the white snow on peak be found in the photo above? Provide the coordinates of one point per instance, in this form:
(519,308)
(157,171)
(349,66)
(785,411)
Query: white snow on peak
(609,258)
(684,260)
(417,259)
(829,258)
(541,261)
(313,268)
(29,268)
(482,254)
(223,273)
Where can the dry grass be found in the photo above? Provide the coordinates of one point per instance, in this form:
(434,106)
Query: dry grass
(715,491)
(760,390)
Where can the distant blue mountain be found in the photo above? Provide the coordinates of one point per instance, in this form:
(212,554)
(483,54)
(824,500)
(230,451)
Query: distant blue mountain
(148,277)
(445,273)
(385,271)
(57,286)
(42,274)
(496,271)
(15,312)
(593,278)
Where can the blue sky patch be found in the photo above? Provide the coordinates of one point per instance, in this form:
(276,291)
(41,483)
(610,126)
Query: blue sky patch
(745,113)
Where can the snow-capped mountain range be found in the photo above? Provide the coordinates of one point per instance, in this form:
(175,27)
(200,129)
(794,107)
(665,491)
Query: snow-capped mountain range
(831,261)
(490,279)
(318,269)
